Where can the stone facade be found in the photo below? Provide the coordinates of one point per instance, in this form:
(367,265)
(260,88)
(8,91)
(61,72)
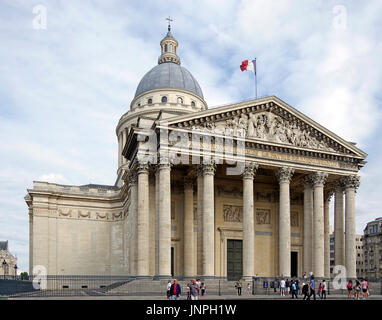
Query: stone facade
(8,262)
(258,172)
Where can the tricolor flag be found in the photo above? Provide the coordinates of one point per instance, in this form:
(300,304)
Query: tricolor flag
(248,65)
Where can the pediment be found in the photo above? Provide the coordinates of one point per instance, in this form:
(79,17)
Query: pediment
(268,120)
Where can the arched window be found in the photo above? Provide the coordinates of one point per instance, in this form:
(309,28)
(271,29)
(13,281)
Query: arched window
(192,103)
(150,101)
(170,47)
(180,100)
(165,47)
(164,99)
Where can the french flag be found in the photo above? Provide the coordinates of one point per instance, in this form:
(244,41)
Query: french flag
(248,65)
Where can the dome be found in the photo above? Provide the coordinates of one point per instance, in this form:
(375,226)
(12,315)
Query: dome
(169,75)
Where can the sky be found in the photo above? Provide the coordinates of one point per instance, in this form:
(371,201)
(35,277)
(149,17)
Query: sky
(66,80)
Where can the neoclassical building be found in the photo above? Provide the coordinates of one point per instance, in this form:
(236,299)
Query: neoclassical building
(231,191)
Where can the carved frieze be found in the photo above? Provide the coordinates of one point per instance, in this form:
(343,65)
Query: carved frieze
(294,219)
(232,213)
(68,213)
(264,196)
(229,191)
(263,216)
(270,127)
(83,214)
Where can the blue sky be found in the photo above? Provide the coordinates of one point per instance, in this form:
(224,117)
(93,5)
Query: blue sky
(63,88)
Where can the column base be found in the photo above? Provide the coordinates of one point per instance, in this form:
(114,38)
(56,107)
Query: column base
(143,277)
(247,278)
(163,277)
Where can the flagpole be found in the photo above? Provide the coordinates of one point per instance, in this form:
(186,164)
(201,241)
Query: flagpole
(256,78)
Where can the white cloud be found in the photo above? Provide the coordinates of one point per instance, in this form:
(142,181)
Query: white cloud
(53,178)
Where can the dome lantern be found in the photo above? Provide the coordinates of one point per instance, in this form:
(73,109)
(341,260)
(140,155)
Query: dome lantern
(169,47)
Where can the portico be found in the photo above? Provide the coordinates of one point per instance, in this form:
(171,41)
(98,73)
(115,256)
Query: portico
(277,208)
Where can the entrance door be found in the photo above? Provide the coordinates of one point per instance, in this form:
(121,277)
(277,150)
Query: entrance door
(293,263)
(172,261)
(234,259)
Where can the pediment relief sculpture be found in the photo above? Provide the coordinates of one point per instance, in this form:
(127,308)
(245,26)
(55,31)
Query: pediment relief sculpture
(269,127)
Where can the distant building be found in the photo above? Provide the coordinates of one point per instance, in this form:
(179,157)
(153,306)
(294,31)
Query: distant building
(8,262)
(360,267)
(373,249)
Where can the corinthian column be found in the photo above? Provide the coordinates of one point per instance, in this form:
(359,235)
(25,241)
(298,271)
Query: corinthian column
(208,220)
(164,217)
(143,220)
(133,214)
(327,195)
(248,222)
(308,224)
(200,220)
(284,175)
(189,256)
(339,231)
(318,179)
(351,183)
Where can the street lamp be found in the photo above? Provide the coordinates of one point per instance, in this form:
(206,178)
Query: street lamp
(15,271)
(4,267)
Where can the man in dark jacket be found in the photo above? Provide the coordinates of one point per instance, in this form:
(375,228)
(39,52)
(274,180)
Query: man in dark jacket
(305,290)
(175,290)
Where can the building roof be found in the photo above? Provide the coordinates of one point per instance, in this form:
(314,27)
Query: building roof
(100,186)
(169,75)
(4,245)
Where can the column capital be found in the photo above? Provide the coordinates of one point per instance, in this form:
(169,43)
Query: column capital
(338,186)
(164,163)
(188,182)
(209,168)
(307,182)
(250,170)
(132,177)
(319,178)
(284,174)
(143,167)
(351,181)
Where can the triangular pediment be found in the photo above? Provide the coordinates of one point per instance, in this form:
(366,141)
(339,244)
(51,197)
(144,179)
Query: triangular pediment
(268,120)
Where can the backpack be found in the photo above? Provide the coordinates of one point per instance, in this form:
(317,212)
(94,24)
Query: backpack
(349,285)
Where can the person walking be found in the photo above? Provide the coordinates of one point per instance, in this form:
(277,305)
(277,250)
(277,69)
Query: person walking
(194,290)
(168,289)
(312,289)
(305,290)
(319,290)
(294,290)
(357,290)
(349,286)
(175,290)
(282,287)
(324,289)
(238,287)
(203,289)
(249,289)
(364,288)
(287,287)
